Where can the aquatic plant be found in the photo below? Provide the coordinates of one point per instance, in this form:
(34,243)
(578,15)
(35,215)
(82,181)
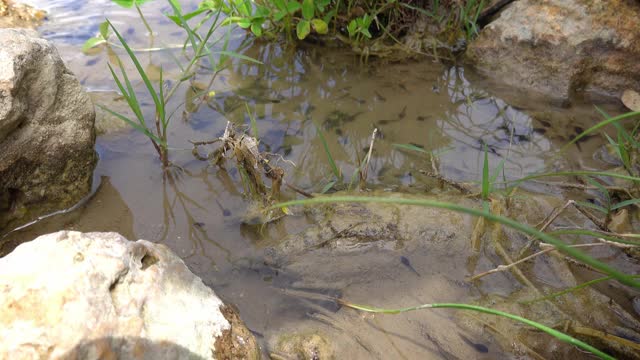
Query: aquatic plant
(625,145)
(200,46)
(357,19)
(553,332)
(103,35)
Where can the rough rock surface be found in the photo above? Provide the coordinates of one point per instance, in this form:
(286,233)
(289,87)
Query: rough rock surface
(13,14)
(47,132)
(563,47)
(99,296)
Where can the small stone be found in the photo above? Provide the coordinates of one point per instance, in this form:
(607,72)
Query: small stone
(631,99)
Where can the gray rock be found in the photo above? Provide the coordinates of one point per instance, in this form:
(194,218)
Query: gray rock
(563,47)
(100,296)
(47,133)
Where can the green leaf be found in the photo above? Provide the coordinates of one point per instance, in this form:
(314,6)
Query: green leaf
(411,147)
(91,43)
(133,124)
(256,29)
(279,15)
(328,187)
(280,4)
(239,56)
(307,9)
(104,29)
(159,103)
(486,185)
(293,6)
(625,203)
(351,28)
(252,120)
(597,127)
(303,29)
(600,187)
(191,15)
(332,162)
(129,3)
(592,206)
(244,23)
(320,26)
(176,5)
(245,8)
(328,16)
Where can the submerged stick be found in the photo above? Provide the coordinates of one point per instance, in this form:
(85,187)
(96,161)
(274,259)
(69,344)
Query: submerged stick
(550,219)
(550,248)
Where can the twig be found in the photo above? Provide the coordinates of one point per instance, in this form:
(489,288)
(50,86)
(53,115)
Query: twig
(550,219)
(609,233)
(592,218)
(549,248)
(298,190)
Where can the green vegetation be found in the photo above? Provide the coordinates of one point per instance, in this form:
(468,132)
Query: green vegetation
(201,47)
(553,332)
(625,146)
(361,22)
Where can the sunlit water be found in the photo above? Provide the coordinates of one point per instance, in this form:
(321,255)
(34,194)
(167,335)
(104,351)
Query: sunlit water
(199,212)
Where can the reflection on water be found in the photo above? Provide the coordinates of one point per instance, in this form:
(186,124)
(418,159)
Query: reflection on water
(197,210)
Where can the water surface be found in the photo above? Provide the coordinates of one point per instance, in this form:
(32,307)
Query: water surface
(198,211)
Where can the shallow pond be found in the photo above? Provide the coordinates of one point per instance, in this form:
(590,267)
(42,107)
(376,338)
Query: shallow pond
(199,211)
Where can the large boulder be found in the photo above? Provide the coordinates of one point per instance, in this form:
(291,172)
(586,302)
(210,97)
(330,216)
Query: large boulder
(47,132)
(559,48)
(99,296)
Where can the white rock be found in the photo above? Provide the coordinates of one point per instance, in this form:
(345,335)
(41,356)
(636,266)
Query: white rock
(100,296)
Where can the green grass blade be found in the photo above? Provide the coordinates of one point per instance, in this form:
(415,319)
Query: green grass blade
(598,126)
(411,147)
(183,22)
(625,203)
(592,206)
(332,163)
(159,103)
(595,234)
(130,98)
(576,254)
(575,173)
(570,290)
(238,56)
(485,175)
(602,189)
(328,187)
(252,119)
(133,124)
(164,119)
(551,331)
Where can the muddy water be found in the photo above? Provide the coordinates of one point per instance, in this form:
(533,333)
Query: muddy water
(198,212)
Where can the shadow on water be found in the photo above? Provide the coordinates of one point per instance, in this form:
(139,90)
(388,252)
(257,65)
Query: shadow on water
(130,348)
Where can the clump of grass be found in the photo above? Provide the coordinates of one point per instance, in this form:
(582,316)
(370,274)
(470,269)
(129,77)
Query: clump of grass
(625,146)
(200,45)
